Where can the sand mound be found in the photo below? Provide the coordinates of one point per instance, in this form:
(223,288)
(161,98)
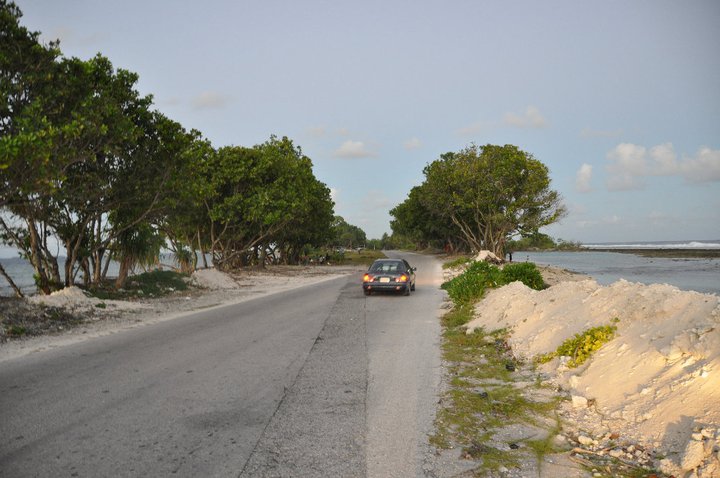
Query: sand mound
(657,381)
(213,279)
(74,298)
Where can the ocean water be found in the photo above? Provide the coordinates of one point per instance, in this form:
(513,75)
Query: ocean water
(701,275)
(21,272)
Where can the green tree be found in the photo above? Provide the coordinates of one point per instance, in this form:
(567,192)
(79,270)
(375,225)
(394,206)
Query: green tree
(485,195)
(347,235)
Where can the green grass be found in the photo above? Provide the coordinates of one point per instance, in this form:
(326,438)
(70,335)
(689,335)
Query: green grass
(482,396)
(364,257)
(148,284)
(459,261)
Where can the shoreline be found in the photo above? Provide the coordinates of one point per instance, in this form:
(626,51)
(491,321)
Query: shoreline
(660,252)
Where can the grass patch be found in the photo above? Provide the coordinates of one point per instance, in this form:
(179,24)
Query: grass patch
(148,284)
(362,257)
(482,396)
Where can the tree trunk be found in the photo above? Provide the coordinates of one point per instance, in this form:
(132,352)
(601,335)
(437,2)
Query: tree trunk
(18,292)
(123,273)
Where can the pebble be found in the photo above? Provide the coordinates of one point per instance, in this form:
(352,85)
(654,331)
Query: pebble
(586,441)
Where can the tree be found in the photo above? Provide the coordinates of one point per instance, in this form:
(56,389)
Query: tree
(347,235)
(482,196)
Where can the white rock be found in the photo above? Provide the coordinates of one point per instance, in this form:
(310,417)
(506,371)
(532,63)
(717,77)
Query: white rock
(693,455)
(579,401)
(615,453)
(586,441)
(697,436)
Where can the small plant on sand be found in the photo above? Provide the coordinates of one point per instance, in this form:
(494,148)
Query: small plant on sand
(581,346)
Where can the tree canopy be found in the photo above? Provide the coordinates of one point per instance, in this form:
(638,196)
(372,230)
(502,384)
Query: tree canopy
(478,198)
(90,173)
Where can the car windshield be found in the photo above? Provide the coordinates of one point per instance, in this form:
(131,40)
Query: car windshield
(389,267)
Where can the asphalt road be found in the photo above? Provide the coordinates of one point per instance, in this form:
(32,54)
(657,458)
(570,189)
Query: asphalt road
(317,381)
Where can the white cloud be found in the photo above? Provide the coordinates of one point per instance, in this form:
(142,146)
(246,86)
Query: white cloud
(412,143)
(532,118)
(583,178)
(629,164)
(703,167)
(209,100)
(353,150)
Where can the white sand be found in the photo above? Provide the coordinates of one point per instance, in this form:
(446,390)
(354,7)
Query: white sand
(656,382)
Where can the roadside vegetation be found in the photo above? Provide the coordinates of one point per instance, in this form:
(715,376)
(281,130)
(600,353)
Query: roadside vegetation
(497,410)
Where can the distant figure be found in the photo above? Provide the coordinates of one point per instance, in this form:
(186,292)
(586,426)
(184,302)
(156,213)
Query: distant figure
(510,254)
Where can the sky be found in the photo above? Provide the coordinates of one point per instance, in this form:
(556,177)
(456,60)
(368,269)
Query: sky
(620,99)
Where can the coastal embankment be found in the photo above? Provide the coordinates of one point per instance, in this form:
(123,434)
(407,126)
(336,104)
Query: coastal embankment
(652,390)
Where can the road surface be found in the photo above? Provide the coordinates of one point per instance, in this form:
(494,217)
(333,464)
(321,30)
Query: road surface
(317,381)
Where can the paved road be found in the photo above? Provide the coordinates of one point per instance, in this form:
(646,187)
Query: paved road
(318,381)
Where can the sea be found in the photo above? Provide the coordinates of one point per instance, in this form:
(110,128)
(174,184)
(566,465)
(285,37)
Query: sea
(21,273)
(696,274)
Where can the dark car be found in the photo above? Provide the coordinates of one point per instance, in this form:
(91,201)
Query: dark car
(391,275)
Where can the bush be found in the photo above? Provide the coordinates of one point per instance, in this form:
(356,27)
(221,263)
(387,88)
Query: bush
(470,285)
(525,272)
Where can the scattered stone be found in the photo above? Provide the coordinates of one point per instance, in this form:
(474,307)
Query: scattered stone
(585,441)
(693,455)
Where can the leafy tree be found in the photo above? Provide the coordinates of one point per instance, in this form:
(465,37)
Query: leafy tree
(347,235)
(481,196)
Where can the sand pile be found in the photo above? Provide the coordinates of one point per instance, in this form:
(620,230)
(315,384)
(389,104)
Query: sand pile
(213,279)
(657,381)
(74,298)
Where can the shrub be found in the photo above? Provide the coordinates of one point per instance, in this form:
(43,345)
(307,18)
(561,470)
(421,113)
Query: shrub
(525,272)
(580,347)
(471,284)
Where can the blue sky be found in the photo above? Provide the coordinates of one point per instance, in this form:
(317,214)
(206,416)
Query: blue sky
(620,99)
